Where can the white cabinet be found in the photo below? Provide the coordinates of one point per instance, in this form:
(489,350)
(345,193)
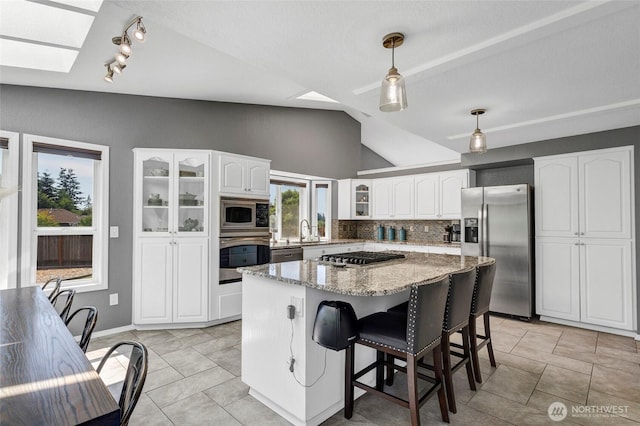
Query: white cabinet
(171,236)
(354,197)
(558,277)
(314,252)
(393,198)
(437,195)
(586,195)
(585,263)
(171,193)
(585,280)
(244,175)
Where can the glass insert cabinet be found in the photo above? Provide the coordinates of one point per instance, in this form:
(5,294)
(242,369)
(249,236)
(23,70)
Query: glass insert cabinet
(172,194)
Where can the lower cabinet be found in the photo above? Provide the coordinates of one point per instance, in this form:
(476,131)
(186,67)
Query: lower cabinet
(585,280)
(171,277)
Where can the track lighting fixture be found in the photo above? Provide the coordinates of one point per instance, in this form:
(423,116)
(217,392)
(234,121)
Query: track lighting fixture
(393,96)
(118,64)
(478,141)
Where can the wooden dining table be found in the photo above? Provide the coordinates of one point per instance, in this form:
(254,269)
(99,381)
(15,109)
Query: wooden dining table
(45,378)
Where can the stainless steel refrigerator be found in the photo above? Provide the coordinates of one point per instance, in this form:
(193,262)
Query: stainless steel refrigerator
(497,222)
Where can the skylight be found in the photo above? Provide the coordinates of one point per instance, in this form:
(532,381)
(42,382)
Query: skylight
(315,96)
(36,56)
(56,34)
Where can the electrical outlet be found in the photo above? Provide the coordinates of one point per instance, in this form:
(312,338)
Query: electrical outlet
(297,302)
(113,299)
(411,228)
(114,232)
(426,228)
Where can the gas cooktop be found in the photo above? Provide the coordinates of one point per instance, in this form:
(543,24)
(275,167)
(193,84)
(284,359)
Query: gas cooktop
(360,257)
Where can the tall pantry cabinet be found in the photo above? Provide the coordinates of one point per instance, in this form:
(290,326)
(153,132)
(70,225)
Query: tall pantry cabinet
(585,261)
(171,236)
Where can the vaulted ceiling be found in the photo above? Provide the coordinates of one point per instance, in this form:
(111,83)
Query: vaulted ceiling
(542,69)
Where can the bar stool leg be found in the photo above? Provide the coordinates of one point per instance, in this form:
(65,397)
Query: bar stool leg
(487,333)
(390,370)
(412,384)
(348,381)
(437,370)
(380,370)
(467,356)
(446,367)
(473,332)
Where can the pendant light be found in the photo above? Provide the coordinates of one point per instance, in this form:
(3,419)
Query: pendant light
(478,141)
(393,96)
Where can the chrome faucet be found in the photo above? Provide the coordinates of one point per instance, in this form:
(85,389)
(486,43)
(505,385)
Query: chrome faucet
(308,227)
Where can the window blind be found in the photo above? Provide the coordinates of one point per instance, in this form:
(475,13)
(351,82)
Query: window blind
(47,148)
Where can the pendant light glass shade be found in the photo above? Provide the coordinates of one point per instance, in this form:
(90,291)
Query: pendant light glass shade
(393,95)
(478,141)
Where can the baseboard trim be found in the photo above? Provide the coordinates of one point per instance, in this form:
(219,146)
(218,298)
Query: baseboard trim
(111,331)
(619,332)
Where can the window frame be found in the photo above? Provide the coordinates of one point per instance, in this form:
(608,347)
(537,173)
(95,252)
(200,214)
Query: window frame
(9,213)
(314,207)
(100,216)
(303,208)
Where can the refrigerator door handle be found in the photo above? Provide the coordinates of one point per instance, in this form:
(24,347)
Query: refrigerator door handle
(481,230)
(485,230)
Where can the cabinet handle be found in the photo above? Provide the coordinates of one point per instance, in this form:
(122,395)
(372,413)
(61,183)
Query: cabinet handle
(576,244)
(582,233)
(576,233)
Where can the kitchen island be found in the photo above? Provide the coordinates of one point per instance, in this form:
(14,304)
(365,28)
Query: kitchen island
(314,390)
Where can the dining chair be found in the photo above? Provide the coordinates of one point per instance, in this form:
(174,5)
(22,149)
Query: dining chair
(406,337)
(56,282)
(64,298)
(134,377)
(89,324)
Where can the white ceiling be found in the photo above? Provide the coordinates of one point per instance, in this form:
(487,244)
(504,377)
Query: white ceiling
(542,69)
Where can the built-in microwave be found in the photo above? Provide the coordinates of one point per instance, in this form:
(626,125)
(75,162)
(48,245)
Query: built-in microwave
(239,216)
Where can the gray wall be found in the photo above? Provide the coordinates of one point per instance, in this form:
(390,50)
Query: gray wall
(516,158)
(316,142)
(369,160)
(505,175)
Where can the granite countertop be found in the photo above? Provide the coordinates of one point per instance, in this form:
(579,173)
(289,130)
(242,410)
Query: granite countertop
(296,244)
(377,279)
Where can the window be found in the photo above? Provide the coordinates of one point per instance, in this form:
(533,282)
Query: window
(295,199)
(8,209)
(65,206)
(321,209)
(287,204)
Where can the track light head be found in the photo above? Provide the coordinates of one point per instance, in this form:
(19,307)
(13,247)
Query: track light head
(109,76)
(120,59)
(140,33)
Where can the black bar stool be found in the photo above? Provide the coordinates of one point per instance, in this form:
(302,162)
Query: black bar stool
(90,321)
(67,295)
(480,306)
(407,337)
(456,318)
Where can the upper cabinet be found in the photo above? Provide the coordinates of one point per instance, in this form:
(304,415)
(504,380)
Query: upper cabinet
(171,192)
(393,198)
(585,195)
(437,195)
(354,199)
(244,175)
(426,196)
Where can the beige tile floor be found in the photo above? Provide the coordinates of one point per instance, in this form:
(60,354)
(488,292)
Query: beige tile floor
(194,379)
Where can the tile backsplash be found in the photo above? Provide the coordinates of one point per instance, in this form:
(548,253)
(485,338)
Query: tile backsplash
(419,231)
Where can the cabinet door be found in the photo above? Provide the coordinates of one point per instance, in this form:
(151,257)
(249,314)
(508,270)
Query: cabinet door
(427,199)
(153,281)
(361,199)
(232,174)
(258,177)
(556,197)
(192,193)
(153,193)
(402,196)
(381,199)
(605,194)
(606,286)
(557,277)
(191,287)
(450,197)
